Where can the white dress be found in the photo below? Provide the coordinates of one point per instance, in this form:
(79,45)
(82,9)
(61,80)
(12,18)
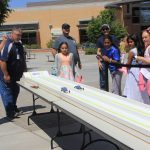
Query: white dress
(131,89)
(64,64)
(146,71)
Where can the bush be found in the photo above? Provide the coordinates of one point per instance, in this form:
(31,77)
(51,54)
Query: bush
(50,43)
(79,45)
(105,17)
(27,46)
(90,51)
(32,46)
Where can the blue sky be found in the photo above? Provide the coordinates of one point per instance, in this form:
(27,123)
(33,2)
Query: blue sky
(22,3)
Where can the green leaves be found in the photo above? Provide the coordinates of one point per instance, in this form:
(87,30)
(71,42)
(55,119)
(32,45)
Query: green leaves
(105,17)
(4,10)
(118,30)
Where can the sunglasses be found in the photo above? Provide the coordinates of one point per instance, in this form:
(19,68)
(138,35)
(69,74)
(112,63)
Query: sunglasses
(105,29)
(66,27)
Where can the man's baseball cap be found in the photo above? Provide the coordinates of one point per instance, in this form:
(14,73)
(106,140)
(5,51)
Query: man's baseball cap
(65,26)
(105,26)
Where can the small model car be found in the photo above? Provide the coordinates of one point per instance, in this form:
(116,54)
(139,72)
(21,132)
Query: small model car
(65,90)
(78,87)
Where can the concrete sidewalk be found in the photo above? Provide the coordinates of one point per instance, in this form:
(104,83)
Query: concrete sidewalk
(17,135)
(12,136)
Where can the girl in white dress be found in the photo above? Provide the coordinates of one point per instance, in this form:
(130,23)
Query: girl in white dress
(146,60)
(131,89)
(64,62)
(146,40)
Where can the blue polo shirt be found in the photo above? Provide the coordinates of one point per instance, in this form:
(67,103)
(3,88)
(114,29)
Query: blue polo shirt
(13,55)
(114,54)
(6,50)
(100,43)
(4,53)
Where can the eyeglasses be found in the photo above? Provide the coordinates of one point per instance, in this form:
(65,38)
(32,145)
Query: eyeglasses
(18,34)
(105,29)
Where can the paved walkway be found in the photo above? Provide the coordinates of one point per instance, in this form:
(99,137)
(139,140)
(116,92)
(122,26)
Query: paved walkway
(17,135)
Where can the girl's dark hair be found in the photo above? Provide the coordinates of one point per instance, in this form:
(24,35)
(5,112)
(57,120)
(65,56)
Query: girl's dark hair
(112,42)
(108,37)
(61,45)
(137,42)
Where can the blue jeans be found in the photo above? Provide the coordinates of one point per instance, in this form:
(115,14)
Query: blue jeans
(103,77)
(9,93)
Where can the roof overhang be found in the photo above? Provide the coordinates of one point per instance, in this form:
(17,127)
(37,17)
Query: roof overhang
(123,2)
(33,25)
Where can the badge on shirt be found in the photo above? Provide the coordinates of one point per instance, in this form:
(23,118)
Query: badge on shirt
(18,57)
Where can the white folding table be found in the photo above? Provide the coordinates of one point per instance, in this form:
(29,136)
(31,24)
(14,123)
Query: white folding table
(120,120)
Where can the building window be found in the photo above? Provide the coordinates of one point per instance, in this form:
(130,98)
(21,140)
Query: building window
(141,15)
(83,36)
(84,22)
(135,15)
(82,30)
(145,15)
(29,38)
(128,8)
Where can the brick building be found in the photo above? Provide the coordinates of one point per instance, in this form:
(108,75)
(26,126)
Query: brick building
(135,14)
(41,21)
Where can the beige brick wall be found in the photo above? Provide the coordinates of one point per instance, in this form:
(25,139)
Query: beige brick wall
(55,17)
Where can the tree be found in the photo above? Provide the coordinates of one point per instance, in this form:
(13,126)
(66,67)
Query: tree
(105,17)
(4,10)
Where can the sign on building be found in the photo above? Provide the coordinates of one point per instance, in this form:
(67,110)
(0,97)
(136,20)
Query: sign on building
(56,31)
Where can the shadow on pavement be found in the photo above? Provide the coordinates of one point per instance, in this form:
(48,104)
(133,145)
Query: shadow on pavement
(4,120)
(48,123)
(30,108)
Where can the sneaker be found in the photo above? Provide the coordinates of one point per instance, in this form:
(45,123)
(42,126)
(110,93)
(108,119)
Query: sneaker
(16,114)
(12,116)
(18,111)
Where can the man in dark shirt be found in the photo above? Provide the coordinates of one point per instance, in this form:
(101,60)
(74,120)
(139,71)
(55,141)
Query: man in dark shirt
(105,29)
(65,37)
(12,66)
